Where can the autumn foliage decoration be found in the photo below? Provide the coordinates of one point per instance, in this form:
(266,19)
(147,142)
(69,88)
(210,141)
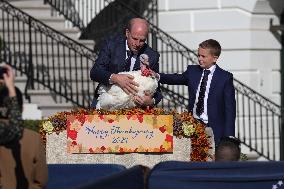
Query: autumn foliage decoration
(184,126)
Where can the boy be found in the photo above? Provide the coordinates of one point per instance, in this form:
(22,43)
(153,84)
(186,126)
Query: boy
(210,88)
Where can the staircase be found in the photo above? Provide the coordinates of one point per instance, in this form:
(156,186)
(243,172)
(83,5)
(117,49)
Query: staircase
(258,120)
(46,100)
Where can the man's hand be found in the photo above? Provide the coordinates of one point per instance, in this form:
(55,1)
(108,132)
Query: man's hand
(125,82)
(146,100)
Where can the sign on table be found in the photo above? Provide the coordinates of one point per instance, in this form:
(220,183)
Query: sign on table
(119,133)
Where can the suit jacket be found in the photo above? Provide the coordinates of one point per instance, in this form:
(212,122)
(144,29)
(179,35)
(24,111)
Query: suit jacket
(221,104)
(111,59)
(23,163)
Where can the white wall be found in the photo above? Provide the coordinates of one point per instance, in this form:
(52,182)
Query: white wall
(250,50)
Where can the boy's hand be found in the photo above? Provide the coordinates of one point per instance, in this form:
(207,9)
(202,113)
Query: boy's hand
(155,75)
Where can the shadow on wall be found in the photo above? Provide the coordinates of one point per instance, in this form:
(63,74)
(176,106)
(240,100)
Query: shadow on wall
(277,6)
(112,20)
(278,9)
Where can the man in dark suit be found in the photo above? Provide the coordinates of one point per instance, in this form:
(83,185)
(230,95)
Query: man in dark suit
(211,91)
(121,53)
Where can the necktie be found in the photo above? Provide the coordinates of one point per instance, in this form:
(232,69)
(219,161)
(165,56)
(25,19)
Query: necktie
(128,60)
(200,103)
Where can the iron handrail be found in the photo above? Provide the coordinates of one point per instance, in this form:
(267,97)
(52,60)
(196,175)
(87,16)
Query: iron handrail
(54,61)
(258,119)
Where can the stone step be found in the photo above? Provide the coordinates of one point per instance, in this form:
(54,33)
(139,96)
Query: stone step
(43,94)
(54,22)
(48,49)
(251,155)
(80,79)
(33,8)
(51,109)
(46,103)
(68,69)
(28,3)
(17,31)
(89,43)
(42,99)
(20,82)
(43,12)
(31,112)
(39,96)
(22,38)
(18,34)
(59,64)
(23,33)
(59,79)
(41,42)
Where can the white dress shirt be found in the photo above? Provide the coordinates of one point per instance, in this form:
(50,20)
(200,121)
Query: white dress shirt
(204,115)
(133,58)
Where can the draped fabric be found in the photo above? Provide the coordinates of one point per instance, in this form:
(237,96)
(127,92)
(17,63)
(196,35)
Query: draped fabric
(132,178)
(67,176)
(170,175)
(217,175)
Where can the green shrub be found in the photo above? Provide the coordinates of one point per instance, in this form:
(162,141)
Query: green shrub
(32,124)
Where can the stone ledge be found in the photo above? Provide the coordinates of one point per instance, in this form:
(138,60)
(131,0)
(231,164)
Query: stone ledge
(56,152)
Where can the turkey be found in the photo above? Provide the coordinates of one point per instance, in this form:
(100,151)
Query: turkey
(112,97)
